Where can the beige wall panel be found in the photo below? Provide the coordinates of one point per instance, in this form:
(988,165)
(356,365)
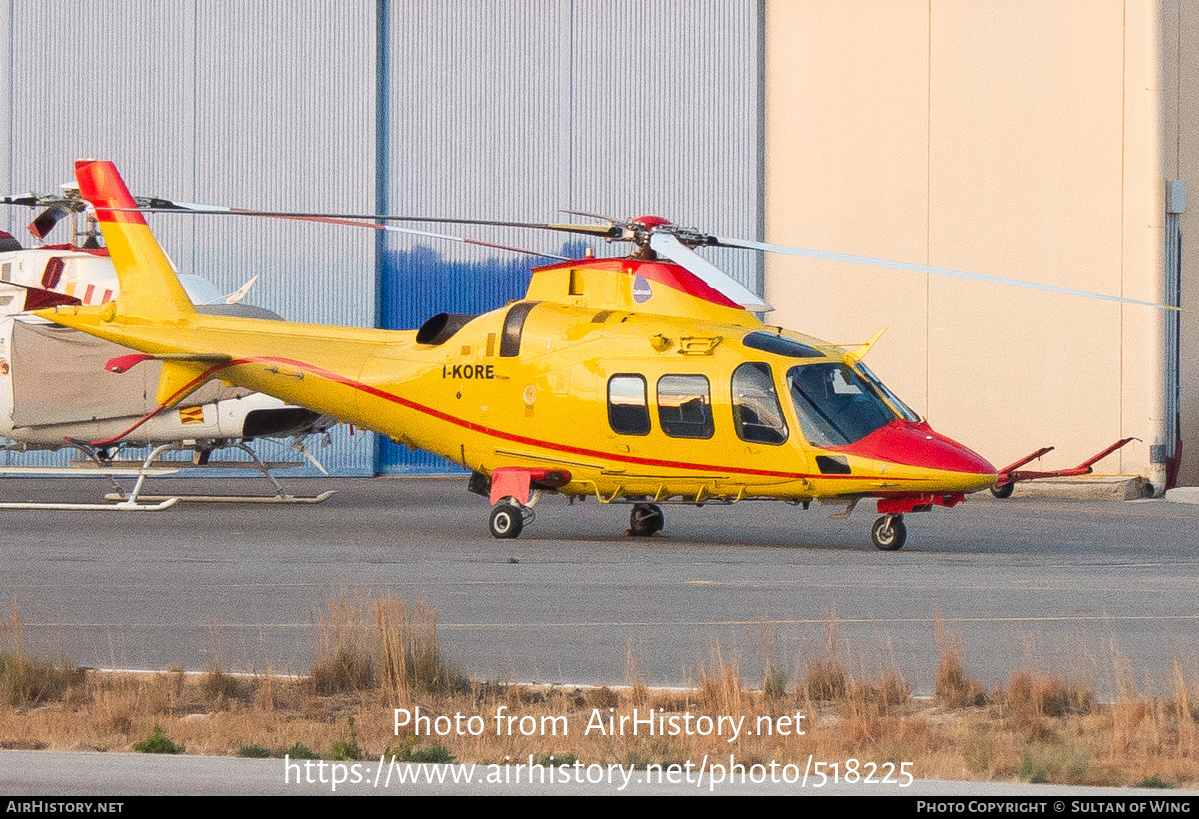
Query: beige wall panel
(1009,139)
(846,147)
(1143,330)
(1025,182)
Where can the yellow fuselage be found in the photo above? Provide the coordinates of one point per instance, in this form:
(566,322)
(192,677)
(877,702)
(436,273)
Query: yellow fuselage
(547,406)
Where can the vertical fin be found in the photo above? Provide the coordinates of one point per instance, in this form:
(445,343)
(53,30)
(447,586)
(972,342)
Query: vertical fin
(149,287)
(179,379)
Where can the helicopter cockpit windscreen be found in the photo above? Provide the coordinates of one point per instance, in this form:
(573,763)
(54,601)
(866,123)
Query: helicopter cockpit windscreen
(835,405)
(903,409)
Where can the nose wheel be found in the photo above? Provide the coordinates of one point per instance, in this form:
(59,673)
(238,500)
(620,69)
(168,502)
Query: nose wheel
(889,533)
(646,520)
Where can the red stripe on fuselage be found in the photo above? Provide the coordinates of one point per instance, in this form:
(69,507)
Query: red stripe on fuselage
(469,425)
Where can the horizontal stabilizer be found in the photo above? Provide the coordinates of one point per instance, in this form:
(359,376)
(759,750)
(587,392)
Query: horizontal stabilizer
(125,363)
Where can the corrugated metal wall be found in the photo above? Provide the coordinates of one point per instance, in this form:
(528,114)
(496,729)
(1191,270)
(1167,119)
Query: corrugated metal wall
(502,110)
(514,110)
(264,104)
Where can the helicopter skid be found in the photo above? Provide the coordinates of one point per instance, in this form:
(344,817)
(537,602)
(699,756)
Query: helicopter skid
(321,498)
(164,503)
(86,468)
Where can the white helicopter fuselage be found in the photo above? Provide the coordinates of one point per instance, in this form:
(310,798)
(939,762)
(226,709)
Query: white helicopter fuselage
(54,389)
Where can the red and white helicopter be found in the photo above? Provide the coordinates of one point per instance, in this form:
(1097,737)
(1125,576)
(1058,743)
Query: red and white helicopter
(55,393)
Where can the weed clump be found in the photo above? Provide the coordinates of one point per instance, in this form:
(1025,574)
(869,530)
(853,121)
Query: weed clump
(826,680)
(774,683)
(347,750)
(1056,764)
(343,661)
(720,689)
(1047,696)
(601,698)
(253,751)
(409,653)
(300,751)
(1154,782)
(434,754)
(882,696)
(24,681)
(400,657)
(219,687)
(157,743)
(953,687)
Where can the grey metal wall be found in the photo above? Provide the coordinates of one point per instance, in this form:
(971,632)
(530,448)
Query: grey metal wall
(514,110)
(264,104)
(498,110)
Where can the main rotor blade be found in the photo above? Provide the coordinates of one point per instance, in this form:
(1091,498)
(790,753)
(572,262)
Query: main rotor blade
(155,205)
(39,298)
(337,220)
(371,221)
(936,271)
(669,246)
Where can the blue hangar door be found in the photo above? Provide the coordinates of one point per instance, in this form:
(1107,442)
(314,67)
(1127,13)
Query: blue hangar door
(420,282)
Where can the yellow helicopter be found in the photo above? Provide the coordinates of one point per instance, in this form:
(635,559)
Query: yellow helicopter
(641,380)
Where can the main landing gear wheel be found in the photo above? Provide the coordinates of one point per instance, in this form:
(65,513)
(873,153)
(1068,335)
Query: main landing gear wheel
(506,521)
(646,520)
(1002,491)
(889,533)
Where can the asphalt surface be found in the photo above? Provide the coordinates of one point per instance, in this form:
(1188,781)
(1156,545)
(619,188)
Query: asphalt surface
(1085,587)
(113,775)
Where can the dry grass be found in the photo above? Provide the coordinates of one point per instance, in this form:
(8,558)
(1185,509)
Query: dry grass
(955,689)
(400,656)
(24,681)
(374,656)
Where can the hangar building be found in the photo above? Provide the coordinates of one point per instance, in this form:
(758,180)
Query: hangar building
(1048,141)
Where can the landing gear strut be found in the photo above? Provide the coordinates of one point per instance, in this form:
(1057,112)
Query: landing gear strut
(889,533)
(646,520)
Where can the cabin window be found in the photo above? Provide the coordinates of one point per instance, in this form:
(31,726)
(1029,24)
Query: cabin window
(685,406)
(757,415)
(835,405)
(53,273)
(628,409)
